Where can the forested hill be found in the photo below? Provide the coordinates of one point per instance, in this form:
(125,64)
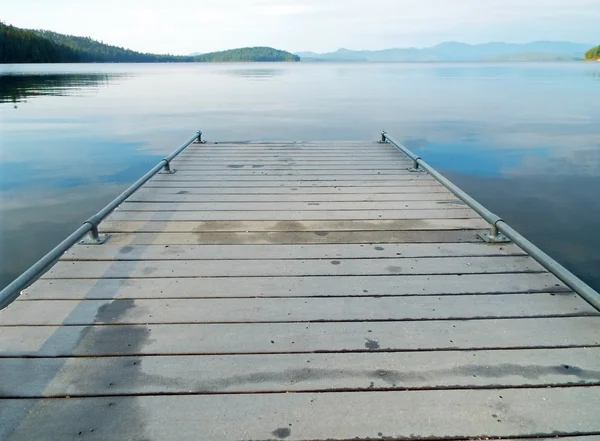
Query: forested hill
(92,51)
(23,46)
(248,54)
(593,53)
(39,46)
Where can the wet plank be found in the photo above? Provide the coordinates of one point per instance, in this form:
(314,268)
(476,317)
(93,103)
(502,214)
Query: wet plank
(363,309)
(297,267)
(255,338)
(240,226)
(298,372)
(310,286)
(156,237)
(255,252)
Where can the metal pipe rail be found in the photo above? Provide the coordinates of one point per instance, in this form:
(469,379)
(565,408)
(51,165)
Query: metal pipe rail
(500,231)
(90,227)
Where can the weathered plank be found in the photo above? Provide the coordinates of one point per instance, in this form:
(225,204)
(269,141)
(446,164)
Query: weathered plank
(258,159)
(165,180)
(300,187)
(459,414)
(297,267)
(101,340)
(298,372)
(304,177)
(202,160)
(291,206)
(260,310)
(322,286)
(290,173)
(246,190)
(185,196)
(366,226)
(289,215)
(299,237)
(255,252)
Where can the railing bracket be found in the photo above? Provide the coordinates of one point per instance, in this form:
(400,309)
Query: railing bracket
(415,168)
(167,170)
(99,240)
(498,238)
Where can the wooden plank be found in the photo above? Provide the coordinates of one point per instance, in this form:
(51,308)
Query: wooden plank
(102,340)
(340,149)
(316,237)
(284,172)
(298,372)
(341,309)
(187,196)
(287,174)
(269,157)
(329,191)
(367,226)
(256,252)
(418,187)
(308,158)
(298,267)
(459,414)
(364,191)
(388,164)
(453,213)
(322,286)
(353,175)
(304,185)
(291,206)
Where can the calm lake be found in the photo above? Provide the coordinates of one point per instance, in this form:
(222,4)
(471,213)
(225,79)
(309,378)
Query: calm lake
(523,139)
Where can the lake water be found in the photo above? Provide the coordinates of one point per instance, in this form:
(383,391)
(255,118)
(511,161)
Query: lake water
(523,139)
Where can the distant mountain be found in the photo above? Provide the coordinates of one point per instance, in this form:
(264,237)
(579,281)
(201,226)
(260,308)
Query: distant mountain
(593,53)
(39,46)
(453,51)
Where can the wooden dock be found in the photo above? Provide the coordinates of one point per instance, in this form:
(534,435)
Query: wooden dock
(298,291)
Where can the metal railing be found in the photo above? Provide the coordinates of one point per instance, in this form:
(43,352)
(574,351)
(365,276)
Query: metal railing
(89,227)
(500,231)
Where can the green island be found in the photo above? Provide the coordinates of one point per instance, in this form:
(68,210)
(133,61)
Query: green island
(593,53)
(38,46)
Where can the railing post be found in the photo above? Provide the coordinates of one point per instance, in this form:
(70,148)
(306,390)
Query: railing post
(199,140)
(383,139)
(94,237)
(415,168)
(167,170)
(494,235)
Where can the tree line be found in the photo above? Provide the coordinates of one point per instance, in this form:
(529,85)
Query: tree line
(593,53)
(39,46)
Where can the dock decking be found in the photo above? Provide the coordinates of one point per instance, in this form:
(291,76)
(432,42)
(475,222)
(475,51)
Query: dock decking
(298,291)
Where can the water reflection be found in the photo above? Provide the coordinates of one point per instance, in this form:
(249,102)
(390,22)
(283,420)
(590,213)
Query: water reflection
(17,88)
(256,74)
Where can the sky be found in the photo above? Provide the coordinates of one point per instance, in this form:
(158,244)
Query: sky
(186,26)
